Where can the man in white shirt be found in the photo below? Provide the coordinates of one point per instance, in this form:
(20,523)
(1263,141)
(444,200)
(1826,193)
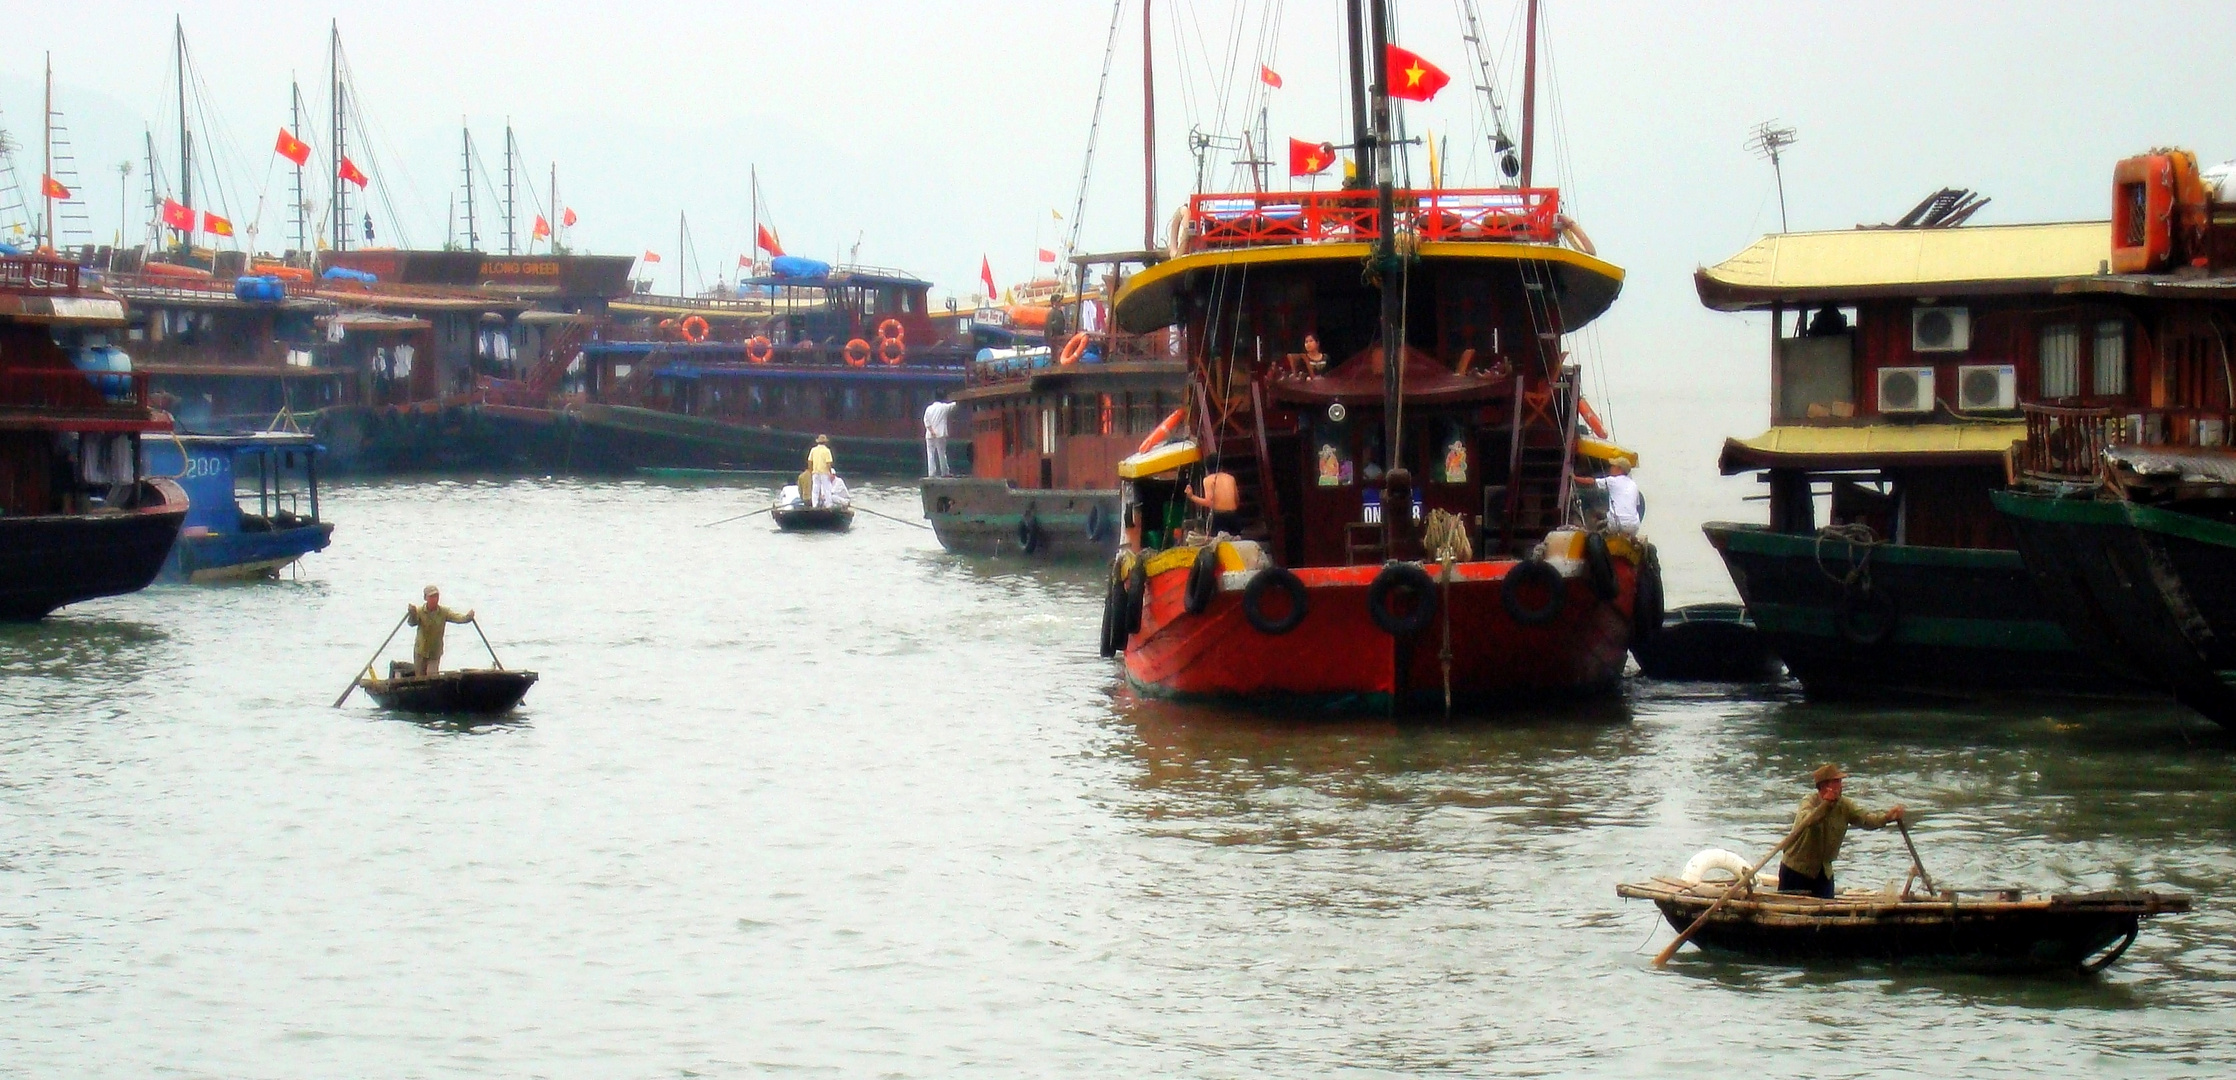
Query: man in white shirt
(1625,506)
(935,437)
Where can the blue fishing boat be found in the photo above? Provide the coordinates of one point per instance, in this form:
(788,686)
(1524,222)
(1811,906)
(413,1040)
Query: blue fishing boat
(253,503)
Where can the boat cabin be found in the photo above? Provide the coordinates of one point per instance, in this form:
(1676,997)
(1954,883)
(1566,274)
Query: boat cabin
(72,410)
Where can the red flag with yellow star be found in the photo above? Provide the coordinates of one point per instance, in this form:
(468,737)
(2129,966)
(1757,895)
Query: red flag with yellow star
(1307,158)
(52,188)
(215,225)
(1410,77)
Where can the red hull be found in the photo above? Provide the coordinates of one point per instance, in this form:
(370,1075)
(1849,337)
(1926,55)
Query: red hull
(1339,658)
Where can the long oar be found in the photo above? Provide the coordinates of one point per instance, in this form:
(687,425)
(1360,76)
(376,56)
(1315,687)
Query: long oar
(740,517)
(1747,880)
(890,517)
(369,662)
(1915,862)
(485,644)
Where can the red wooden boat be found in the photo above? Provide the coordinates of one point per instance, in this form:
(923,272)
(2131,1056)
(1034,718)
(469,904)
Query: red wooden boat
(1325,585)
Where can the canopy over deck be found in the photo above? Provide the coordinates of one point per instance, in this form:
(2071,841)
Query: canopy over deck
(1871,446)
(1857,264)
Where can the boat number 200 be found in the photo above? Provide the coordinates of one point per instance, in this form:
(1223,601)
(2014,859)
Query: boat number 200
(197,467)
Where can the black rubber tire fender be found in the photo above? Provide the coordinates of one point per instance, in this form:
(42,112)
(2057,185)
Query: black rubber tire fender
(1098,525)
(1028,530)
(1650,604)
(1396,577)
(1203,581)
(1265,581)
(1599,564)
(1854,614)
(1545,576)
(1113,609)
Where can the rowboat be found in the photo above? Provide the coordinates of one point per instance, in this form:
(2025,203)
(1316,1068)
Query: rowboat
(1708,643)
(1991,929)
(800,517)
(468,690)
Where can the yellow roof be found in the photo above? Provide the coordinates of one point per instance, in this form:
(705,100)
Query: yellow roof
(1858,263)
(1163,457)
(1874,445)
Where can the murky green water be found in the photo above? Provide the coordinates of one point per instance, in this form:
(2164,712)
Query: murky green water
(849,806)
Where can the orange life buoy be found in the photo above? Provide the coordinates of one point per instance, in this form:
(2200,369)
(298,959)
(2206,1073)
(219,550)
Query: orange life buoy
(1164,430)
(694,336)
(759,350)
(892,330)
(892,350)
(857,353)
(1074,349)
(1591,418)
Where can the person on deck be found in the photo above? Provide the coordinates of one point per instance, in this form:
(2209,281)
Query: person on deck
(1626,507)
(1807,865)
(820,471)
(935,437)
(1218,494)
(431,618)
(1311,362)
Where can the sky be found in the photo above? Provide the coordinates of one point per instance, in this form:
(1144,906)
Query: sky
(927,135)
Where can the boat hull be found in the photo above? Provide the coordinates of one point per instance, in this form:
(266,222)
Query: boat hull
(1706,643)
(814,518)
(439,437)
(49,560)
(1964,622)
(981,516)
(1338,659)
(652,438)
(242,556)
(477,692)
(2146,589)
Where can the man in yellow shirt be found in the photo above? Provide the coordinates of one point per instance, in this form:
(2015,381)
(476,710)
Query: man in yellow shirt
(820,471)
(1807,864)
(431,618)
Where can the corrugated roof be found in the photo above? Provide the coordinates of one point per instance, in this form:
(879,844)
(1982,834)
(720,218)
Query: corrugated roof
(1860,263)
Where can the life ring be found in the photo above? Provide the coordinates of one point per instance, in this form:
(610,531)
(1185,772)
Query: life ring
(759,349)
(1203,581)
(892,330)
(694,336)
(1865,617)
(1591,418)
(1028,531)
(1599,565)
(1646,608)
(1137,591)
(1544,576)
(1401,577)
(1098,525)
(1163,431)
(1253,596)
(857,353)
(1074,349)
(891,350)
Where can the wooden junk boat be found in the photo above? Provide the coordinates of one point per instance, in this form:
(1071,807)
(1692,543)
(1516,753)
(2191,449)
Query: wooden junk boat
(480,691)
(1325,591)
(1994,929)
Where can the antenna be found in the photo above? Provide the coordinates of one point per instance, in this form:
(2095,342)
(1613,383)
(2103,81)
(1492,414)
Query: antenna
(1767,141)
(123,198)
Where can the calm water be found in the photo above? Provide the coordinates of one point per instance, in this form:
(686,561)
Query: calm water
(848,806)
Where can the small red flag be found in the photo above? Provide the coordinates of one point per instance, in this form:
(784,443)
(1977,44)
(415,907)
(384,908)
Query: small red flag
(745,262)
(652,256)
(568,218)
(1269,76)
(215,225)
(178,215)
(1409,77)
(350,172)
(292,148)
(986,274)
(1307,158)
(1047,255)
(52,188)
(766,241)
(542,229)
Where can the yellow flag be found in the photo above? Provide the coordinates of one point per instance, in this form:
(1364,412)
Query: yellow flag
(1436,175)
(1350,169)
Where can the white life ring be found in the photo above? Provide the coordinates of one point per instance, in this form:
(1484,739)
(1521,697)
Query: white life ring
(1734,867)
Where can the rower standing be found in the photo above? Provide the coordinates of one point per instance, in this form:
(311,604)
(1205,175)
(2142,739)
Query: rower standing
(820,471)
(431,618)
(1807,864)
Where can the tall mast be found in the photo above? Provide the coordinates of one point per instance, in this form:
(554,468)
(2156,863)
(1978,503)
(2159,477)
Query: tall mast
(466,136)
(341,192)
(155,210)
(753,192)
(1148,137)
(552,242)
(680,226)
(186,133)
(1388,269)
(302,204)
(46,160)
(1529,96)
(1362,137)
(511,243)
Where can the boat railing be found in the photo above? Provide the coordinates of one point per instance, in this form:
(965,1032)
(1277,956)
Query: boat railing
(38,273)
(1251,219)
(2067,442)
(69,388)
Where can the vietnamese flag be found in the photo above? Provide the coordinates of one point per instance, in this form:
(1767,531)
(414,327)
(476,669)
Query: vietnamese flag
(568,218)
(52,188)
(1306,159)
(1406,75)
(1047,256)
(215,225)
(766,241)
(178,215)
(652,256)
(542,229)
(292,148)
(986,274)
(350,172)
(1269,76)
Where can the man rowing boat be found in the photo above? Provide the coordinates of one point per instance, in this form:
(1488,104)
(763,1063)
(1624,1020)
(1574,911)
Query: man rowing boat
(431,618)
(1807,864)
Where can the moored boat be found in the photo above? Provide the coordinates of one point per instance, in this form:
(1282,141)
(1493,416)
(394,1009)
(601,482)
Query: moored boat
(234,531)
(1714,642)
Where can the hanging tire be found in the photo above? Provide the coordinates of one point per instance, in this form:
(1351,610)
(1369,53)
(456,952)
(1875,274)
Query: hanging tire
(1137,593)
(1599,565)
(1648,607)
(1098,525)
(1865,617)
(1397,578)
(1113,611)
(1028,531)
(1542,575)
(1203,581)
(1253,597)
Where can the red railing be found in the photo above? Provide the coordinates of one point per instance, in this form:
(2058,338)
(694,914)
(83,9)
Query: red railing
(2065,443)
(69,388)
(38,273)
(1528,215)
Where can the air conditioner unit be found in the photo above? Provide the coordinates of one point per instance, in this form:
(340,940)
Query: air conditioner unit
(1905,389)
(1987,387)
(1940,329)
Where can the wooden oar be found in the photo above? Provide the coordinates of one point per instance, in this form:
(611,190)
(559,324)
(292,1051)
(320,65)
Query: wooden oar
(1903,823)
(889,517)
(1746,880)
(485,644)
(369,663)
(740,517)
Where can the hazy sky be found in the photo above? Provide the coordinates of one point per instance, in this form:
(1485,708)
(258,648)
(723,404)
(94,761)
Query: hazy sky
(933,133)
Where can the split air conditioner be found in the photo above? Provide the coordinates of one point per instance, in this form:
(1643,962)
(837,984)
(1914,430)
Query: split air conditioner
(1906,389)
(1940,329)
(1987,387)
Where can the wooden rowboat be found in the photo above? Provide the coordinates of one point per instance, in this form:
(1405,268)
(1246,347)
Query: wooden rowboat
(469,690)
(800,517)
(1706,643)
(1998,929)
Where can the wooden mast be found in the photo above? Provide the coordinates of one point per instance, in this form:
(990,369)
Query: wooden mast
(186,133)
(1387,267)
(46,161)
(341,194)
(1148,138)
(466,153)
(302,204)
(1529,97)
(1362,137)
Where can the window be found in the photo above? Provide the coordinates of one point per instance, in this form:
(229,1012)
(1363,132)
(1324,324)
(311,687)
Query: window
(2059,371)
(2108,366)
